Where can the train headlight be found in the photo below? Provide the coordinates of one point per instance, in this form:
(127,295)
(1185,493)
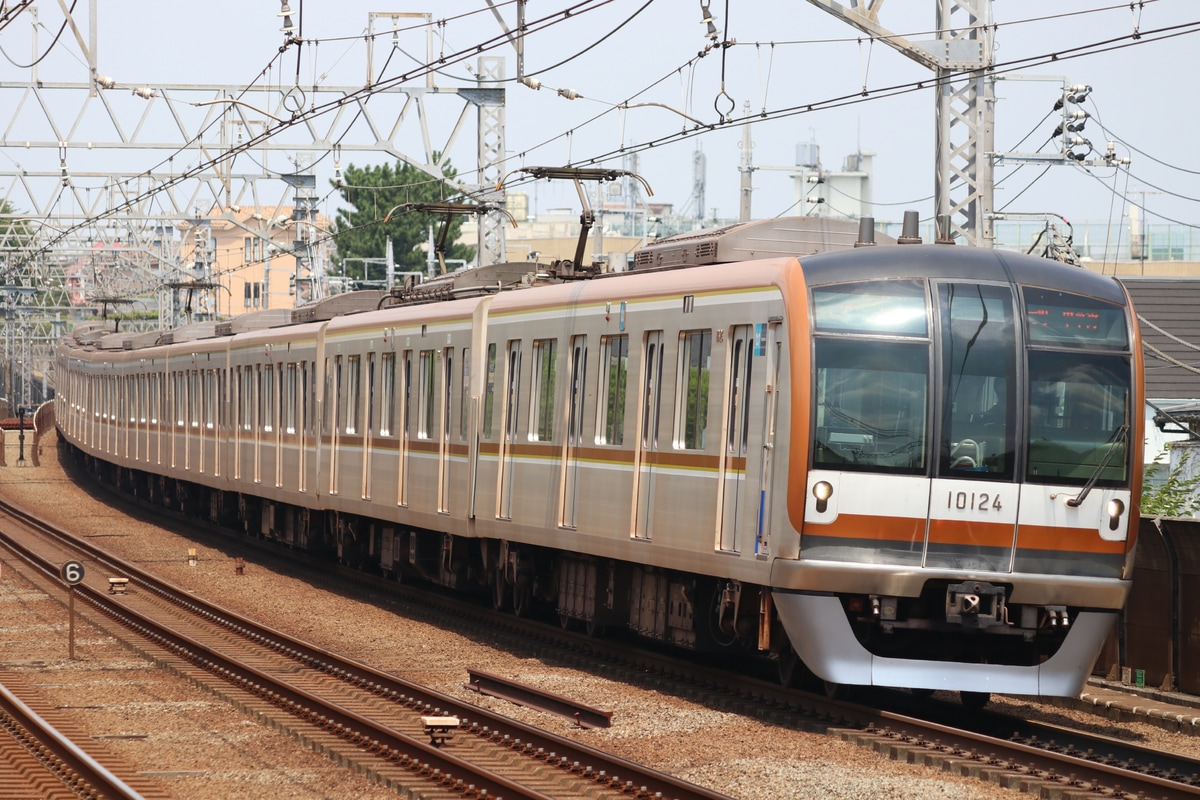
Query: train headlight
(822,490)
(1115,509)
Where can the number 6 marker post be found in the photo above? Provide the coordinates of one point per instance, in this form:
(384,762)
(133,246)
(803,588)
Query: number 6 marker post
(72,573)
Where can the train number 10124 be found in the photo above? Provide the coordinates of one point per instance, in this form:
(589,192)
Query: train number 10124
(972,501)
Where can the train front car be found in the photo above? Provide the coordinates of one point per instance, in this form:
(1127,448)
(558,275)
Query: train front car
(973,431)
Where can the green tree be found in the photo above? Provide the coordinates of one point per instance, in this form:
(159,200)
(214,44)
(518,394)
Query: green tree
(1176,496)
(370,193)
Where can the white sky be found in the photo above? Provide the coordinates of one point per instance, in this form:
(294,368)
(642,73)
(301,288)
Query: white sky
(1141,93)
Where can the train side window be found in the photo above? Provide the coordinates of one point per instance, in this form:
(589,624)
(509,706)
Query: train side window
(614,378)
(541,406)
(691,389)
(489,393)
(353,398)
(425,398)
(194,398)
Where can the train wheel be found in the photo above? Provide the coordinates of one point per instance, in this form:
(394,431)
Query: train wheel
(974,700)
(791,670)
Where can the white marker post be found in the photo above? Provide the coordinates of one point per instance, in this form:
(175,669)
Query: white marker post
(72,572)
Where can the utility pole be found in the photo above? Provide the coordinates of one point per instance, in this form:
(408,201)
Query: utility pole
(747,167)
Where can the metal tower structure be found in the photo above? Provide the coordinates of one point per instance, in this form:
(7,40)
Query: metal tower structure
(960,56)
(101,167)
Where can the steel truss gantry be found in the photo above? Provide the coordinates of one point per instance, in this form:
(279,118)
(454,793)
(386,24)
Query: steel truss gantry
(961,56)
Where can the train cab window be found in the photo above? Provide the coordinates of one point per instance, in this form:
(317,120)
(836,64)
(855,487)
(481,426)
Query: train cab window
(541,426)
(1079,414)
(489,392)
(978,360)
(691,408)
(871,405)
(387,403)
(353,397)
(614,377)
(425,397)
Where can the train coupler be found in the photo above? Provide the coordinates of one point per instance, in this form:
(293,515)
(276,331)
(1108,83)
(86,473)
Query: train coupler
(976,604)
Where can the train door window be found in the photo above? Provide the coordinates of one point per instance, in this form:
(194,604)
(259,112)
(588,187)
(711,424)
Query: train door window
(691,392)
(406,394)
(181,399)
(979,358)
(327,404)
(512,405)
(425,396)
(741,362)
(289,400)
(541,404)
(267,399)
(210,399)
(650,400)
(489,392)
(369,400)
(614,367)
(353,398)
(464,394)
(388,401)
(154,398)
(339,405)
(246,394)
(447,391)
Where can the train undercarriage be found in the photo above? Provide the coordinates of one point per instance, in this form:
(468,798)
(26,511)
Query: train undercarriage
(598,595)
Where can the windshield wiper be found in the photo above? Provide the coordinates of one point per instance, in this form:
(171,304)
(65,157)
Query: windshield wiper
(1118,437)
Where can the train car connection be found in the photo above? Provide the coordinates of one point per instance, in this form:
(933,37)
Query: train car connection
(895,465)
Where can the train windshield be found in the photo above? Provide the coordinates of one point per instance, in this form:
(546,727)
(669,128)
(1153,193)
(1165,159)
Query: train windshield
(1078,413)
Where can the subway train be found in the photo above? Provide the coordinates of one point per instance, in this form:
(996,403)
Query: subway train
(867,461)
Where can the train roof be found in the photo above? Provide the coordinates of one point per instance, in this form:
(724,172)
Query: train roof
(961,263)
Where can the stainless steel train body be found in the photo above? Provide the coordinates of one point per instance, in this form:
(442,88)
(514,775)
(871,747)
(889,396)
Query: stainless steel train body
(906,465)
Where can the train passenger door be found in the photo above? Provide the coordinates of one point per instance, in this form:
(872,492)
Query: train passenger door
(574,439)
(732,477)
(444,480)
(512,382)
(762,539)
(647,447)
(368,412)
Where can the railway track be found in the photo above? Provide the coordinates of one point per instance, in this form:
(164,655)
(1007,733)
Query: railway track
(399,733)
(1111,769)
(40,754)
